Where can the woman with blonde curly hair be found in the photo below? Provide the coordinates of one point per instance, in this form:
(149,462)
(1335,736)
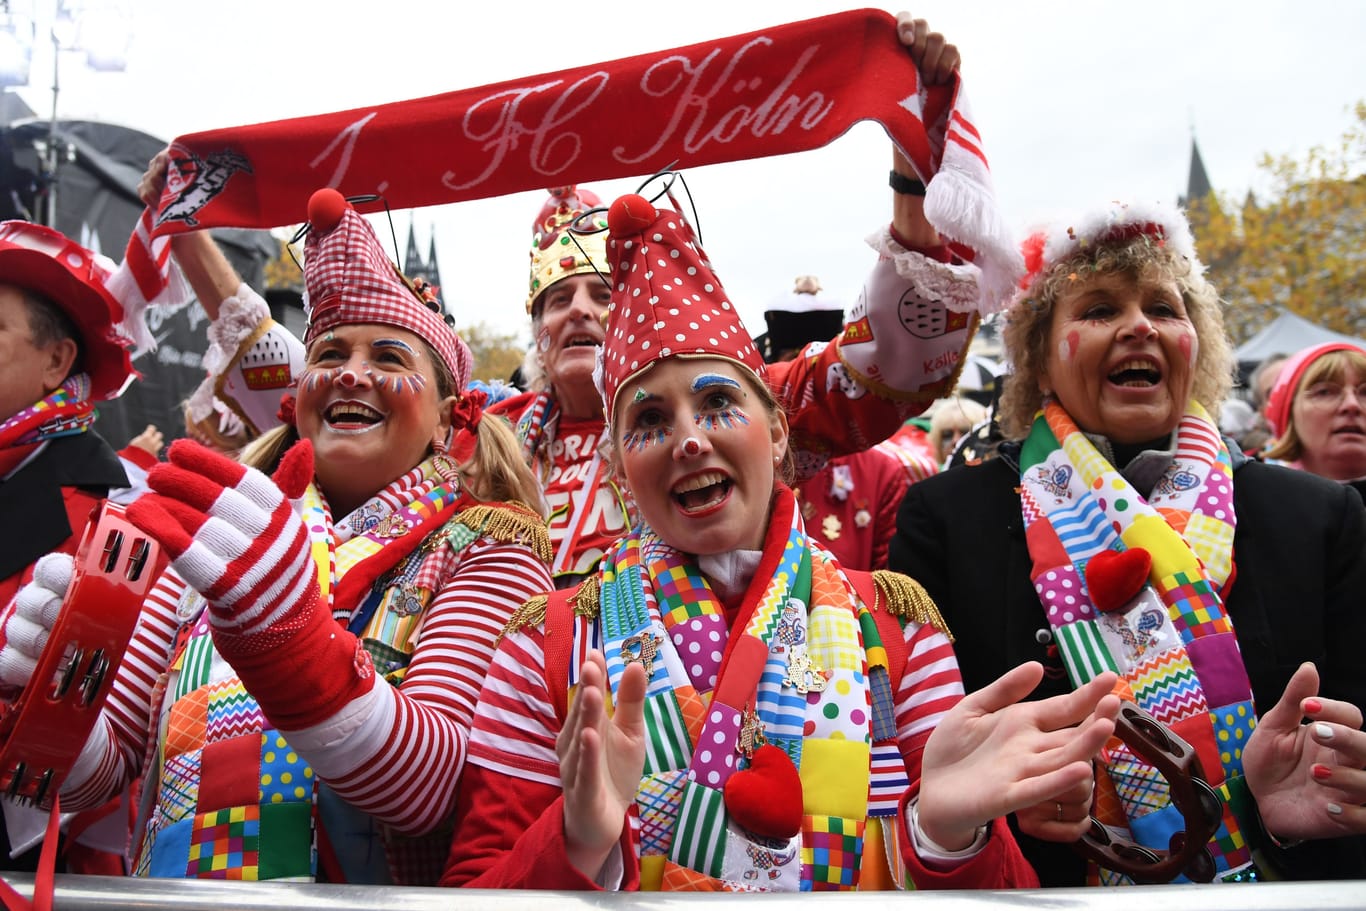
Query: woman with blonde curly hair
(1119,532)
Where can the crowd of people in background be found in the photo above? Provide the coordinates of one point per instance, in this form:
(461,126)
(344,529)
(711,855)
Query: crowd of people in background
(696,610)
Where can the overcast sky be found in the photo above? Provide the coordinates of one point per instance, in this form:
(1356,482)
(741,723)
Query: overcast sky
(1076,102)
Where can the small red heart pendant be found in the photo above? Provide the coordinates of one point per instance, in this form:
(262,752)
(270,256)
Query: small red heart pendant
(1114,577)
(766,798)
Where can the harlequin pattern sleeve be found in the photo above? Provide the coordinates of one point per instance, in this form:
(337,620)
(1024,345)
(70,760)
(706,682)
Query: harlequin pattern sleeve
(397,752)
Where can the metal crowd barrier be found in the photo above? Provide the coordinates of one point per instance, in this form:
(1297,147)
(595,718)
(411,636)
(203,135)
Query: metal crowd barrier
(99,893)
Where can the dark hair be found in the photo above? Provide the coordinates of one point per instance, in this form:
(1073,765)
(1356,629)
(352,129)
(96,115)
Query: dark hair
(49,324)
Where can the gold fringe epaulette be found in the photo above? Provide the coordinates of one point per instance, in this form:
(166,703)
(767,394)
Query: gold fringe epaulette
(903,597)
(509,522)
(532,613)
(586,601)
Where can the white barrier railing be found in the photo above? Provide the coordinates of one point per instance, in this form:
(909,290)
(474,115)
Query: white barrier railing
(102,893)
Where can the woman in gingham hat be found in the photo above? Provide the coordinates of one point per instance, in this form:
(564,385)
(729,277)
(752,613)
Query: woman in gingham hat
(309,665)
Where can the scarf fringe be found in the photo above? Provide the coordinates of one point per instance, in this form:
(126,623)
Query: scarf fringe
(510,523)
(906,599)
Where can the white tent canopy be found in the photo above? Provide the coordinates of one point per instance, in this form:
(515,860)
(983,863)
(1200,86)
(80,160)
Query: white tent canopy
(1286,334)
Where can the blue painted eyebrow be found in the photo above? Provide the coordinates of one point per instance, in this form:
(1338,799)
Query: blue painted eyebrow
(713,379)
(393,343)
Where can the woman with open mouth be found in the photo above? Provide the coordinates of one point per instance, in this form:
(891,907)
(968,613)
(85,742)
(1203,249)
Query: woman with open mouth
(779,723)
(306,672)
(1317,411)
(1117,531)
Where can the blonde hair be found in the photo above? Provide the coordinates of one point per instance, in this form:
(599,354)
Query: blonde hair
(945,417)
(1331,367)
(1030,318)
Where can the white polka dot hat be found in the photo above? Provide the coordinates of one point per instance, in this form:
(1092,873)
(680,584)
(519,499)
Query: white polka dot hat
(666,301)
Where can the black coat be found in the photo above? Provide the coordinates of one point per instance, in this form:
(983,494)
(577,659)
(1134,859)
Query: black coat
(1299,594)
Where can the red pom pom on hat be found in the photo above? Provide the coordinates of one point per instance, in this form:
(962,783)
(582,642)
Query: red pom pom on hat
(326,208)
(629,215)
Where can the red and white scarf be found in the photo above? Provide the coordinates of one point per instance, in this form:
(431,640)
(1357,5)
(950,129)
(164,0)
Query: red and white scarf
(786,89)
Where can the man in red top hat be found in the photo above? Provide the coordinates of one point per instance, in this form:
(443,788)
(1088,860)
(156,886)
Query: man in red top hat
(61,352)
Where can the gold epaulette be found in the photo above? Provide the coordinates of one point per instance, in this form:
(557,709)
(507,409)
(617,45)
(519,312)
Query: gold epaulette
(511,523)
(531,613)
(903,597)
(586,602)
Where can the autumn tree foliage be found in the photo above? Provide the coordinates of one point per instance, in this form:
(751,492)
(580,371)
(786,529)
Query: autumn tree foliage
(1301,247)
(496,354)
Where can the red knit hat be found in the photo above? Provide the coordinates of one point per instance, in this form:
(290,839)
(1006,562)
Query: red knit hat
(349,279)
(666,300)
(70,276)
(1282,395)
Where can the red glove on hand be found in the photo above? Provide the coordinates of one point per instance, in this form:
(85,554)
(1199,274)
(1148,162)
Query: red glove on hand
(232,533)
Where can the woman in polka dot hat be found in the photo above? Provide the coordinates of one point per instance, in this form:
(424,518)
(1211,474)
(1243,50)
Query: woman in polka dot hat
(780,723)
(298,693)
(1120,532)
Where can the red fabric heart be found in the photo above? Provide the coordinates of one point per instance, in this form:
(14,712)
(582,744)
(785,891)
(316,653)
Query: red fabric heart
(766,798)
(1114,577)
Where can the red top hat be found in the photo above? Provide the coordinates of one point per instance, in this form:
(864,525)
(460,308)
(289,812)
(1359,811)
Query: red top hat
(48,263)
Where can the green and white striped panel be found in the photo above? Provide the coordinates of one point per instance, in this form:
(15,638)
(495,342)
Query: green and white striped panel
(668,748)
(1084,654)
(700,840)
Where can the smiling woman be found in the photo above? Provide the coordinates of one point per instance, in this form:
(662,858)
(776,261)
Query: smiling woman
(1117,531)
(309,665)
(789,698)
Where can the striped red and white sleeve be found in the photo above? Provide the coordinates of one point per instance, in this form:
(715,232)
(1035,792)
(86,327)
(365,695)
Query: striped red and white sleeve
(114,753)
(930,685)
(417,733)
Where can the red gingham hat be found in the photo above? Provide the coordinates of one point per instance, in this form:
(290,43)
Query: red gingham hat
(350,280)
(70,276)
(666,300)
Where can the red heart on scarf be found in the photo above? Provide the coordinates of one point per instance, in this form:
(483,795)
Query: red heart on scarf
(1114,577)
(766,798)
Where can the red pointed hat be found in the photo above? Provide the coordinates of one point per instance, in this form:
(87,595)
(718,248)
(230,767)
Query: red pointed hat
(72,278)
(349,280)
(666,301)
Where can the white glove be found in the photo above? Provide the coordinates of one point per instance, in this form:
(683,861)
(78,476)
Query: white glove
(35,611)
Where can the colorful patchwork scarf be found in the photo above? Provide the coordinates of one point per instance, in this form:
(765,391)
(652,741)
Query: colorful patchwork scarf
(1169,637)
(801,666)
(65,412)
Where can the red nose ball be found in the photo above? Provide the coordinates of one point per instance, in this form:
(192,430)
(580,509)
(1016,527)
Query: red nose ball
(325,209)
(630,215)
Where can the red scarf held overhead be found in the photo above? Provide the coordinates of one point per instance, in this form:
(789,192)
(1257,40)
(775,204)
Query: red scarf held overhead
(790,88)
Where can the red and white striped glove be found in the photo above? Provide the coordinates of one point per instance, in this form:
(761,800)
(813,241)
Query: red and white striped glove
(36,607)
(233,535)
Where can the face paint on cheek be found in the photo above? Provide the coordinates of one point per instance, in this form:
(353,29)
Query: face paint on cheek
(406,385)
(637,440)
(1068,346)
(316,378)
(543,340)
(729,419)
(1190,347)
